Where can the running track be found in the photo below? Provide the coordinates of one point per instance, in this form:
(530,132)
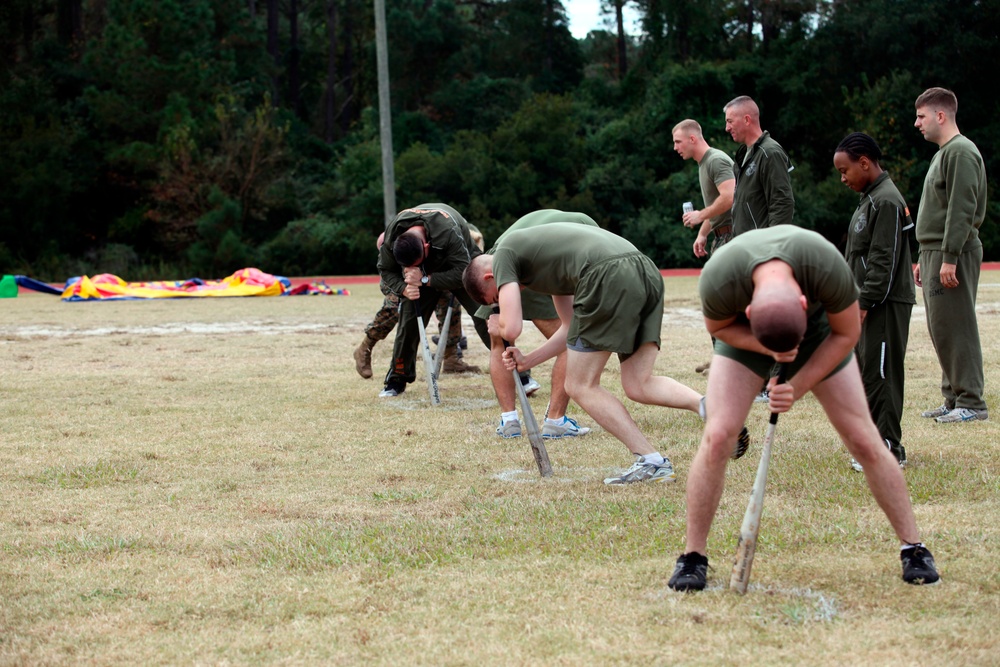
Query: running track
(667,273)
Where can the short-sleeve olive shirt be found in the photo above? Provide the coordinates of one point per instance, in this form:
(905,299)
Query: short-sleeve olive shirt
(726,286)
(617,291)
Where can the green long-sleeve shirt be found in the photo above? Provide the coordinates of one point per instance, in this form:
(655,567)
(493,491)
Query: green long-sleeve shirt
(953,203)
(451,249)
(763,196)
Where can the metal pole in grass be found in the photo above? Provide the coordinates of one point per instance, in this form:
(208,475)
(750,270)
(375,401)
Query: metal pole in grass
(425,351)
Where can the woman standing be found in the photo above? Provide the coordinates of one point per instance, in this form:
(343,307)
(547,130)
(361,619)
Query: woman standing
(878,251)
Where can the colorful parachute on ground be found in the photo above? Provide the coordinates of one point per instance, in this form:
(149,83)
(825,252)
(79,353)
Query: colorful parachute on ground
(245,282)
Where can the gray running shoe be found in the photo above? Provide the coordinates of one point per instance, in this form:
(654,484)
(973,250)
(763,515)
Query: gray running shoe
(531,386)
(645,472)
(690,572)
(939,411)
(918,566)
(510,429)
(963,415)
(567,429)
(763,397)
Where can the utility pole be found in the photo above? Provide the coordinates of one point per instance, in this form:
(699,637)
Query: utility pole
(384,113)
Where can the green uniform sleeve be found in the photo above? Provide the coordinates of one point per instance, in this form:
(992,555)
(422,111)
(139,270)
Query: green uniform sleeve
(961,175)
(449,253)
(780,201)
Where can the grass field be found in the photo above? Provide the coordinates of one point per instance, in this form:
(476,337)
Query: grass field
(210,482)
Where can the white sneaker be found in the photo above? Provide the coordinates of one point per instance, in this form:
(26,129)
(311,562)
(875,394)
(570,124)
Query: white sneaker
(568,428)
(645,472)
(963,415)
(531,386)
(763,397)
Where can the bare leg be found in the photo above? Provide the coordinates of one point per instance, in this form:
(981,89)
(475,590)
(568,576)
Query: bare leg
(583,381)
(558,398)
(642,386)
(731,390)
(843,398)
(503,380)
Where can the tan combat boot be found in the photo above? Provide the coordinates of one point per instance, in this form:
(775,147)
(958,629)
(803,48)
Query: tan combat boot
(454,364)
(363,358)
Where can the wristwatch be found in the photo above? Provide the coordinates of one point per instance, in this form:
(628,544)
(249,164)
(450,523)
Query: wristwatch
(425,280)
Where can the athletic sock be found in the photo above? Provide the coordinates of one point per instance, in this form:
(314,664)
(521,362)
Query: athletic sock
(911,546)
(508,416)
(655,458)
(556,422)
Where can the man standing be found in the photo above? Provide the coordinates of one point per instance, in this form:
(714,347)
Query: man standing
(425,251)
(715,174)
(952,207)
(763,196)
(609,297)
(538,309)
(785,295)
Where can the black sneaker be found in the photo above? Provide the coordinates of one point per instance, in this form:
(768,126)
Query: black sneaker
(918,565)
(742,440)
(742,444)
(690,573)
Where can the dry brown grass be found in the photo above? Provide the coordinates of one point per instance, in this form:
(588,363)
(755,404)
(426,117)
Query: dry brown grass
(210,482)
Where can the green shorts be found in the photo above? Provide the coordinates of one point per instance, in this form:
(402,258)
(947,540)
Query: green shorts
(817,330)
(618,305)
(534,306)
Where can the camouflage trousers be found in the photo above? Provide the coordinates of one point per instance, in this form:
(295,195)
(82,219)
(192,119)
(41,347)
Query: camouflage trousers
(388,316)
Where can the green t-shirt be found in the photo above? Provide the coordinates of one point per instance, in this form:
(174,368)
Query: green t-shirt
(715,167)
(551,258)
(544,217)
(726,285)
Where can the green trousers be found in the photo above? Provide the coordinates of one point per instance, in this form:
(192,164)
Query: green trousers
(954,329)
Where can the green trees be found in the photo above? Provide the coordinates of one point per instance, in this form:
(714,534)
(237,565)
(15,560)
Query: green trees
(182,137)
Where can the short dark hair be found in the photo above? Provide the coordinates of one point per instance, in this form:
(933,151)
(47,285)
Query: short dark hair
(857,145)
(408,249)
(938,98)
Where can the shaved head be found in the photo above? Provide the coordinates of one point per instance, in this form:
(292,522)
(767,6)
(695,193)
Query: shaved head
(777,318)
(476,284)
(688,127)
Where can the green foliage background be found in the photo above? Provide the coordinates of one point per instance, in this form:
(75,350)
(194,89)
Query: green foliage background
(164,138)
